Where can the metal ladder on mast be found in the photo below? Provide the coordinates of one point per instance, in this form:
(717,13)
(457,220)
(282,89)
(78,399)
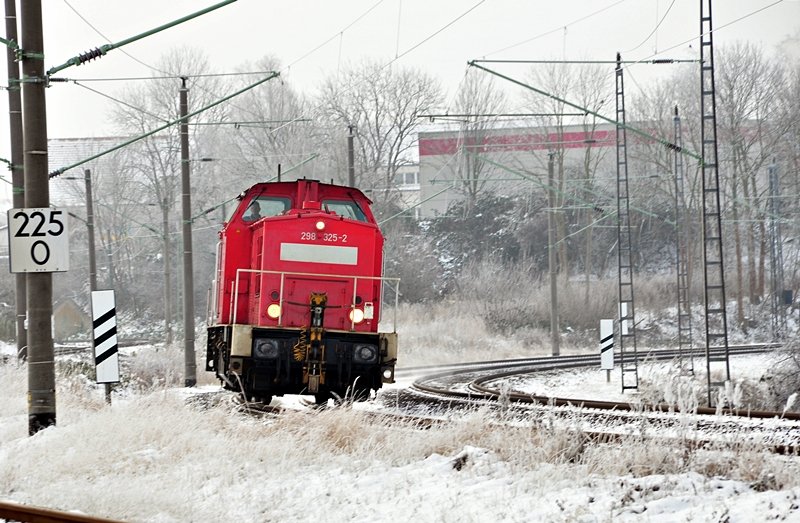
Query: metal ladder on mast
(627,323)
(717,353)
(685,357)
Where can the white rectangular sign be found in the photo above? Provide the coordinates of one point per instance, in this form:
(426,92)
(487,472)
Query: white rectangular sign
(38,240)
(624,319)
(106,349)
(607,344)
(304,252)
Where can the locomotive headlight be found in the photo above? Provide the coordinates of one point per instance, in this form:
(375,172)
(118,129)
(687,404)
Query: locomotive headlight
(267,349)
(356,315)
(274,311)
(365,354)
(320,225)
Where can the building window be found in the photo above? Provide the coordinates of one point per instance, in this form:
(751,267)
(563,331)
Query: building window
(407,178)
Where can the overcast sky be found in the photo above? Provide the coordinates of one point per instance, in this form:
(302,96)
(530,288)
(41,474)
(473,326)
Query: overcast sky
(313,38)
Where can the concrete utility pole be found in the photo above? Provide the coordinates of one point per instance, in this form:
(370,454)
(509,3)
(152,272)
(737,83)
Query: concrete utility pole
(190,366)
(87,176)
(17,173)
(551,255)
(351,162)
(168,290)
(41,370)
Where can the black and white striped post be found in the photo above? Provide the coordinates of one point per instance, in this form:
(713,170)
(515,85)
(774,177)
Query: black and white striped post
(106,348)
(607,347)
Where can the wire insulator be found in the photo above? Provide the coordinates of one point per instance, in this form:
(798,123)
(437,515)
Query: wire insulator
(90,55)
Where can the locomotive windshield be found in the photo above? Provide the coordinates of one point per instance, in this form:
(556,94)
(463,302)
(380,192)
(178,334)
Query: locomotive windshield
(262,206)
(345,208)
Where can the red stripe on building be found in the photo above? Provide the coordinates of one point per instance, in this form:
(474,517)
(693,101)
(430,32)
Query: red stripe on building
(517,142)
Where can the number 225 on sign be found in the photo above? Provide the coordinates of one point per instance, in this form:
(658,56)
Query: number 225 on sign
(38,240)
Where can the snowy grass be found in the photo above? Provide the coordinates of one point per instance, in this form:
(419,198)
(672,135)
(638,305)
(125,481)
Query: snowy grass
(152,457)
(433,334)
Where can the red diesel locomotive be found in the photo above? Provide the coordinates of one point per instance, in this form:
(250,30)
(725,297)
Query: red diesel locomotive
(297,295)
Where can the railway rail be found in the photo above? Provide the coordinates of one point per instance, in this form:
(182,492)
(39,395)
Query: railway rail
(85,346)
(605,420)
(32,514)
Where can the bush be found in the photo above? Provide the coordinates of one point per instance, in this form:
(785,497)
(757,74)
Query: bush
(410,257)
(783,379)
(511,298)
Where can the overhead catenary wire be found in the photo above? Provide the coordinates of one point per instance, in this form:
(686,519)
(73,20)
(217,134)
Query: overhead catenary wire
(361,16)
(421,42)
(432,117)
(102,50)
(648,59)
(717,28)
(161,128)
(432,35)
(654,29)
(182,76)
(666,143)
(693,38)
(555,30)
(563,194)
(398,47)
(339,33)
(418,204)
(95,29)
(599,196)
(391,61)
(582,62)
(164,76)
(107,39)
(208,211)
(121,102)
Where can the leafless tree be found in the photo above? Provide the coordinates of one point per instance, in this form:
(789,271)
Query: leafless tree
(381,103)
(480,101)
(268,126)
(587,86)
(652,109)
(154,162)
(787,161)
(753,123)
(750,129)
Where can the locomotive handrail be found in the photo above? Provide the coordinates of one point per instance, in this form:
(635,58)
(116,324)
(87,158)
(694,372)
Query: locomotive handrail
(215,294)
(283,275)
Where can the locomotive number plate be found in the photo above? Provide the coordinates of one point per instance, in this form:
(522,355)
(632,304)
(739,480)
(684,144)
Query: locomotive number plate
(329,237)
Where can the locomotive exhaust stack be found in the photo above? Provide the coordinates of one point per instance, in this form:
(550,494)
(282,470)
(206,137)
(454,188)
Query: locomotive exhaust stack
(299,293)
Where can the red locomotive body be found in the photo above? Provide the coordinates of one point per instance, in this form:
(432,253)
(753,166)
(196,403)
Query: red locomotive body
(297,295)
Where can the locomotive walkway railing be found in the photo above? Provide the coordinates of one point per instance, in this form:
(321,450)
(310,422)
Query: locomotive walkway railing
(393,282)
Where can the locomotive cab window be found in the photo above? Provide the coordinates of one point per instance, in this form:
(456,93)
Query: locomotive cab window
(345,208)
(262,206)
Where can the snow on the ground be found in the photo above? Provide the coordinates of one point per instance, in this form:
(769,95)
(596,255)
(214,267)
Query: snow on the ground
(598,384)
(152,457)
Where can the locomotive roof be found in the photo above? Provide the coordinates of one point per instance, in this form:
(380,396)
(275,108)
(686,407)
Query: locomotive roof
(330,189)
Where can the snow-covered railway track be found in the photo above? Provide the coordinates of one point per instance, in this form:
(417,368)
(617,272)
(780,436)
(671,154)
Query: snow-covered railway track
(605,420)
(68,349)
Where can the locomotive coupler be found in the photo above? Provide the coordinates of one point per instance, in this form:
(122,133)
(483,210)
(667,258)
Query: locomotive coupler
(314,367)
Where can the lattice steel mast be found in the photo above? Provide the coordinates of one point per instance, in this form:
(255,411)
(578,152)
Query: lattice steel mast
(686,360)
(717,357)
(627,323)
